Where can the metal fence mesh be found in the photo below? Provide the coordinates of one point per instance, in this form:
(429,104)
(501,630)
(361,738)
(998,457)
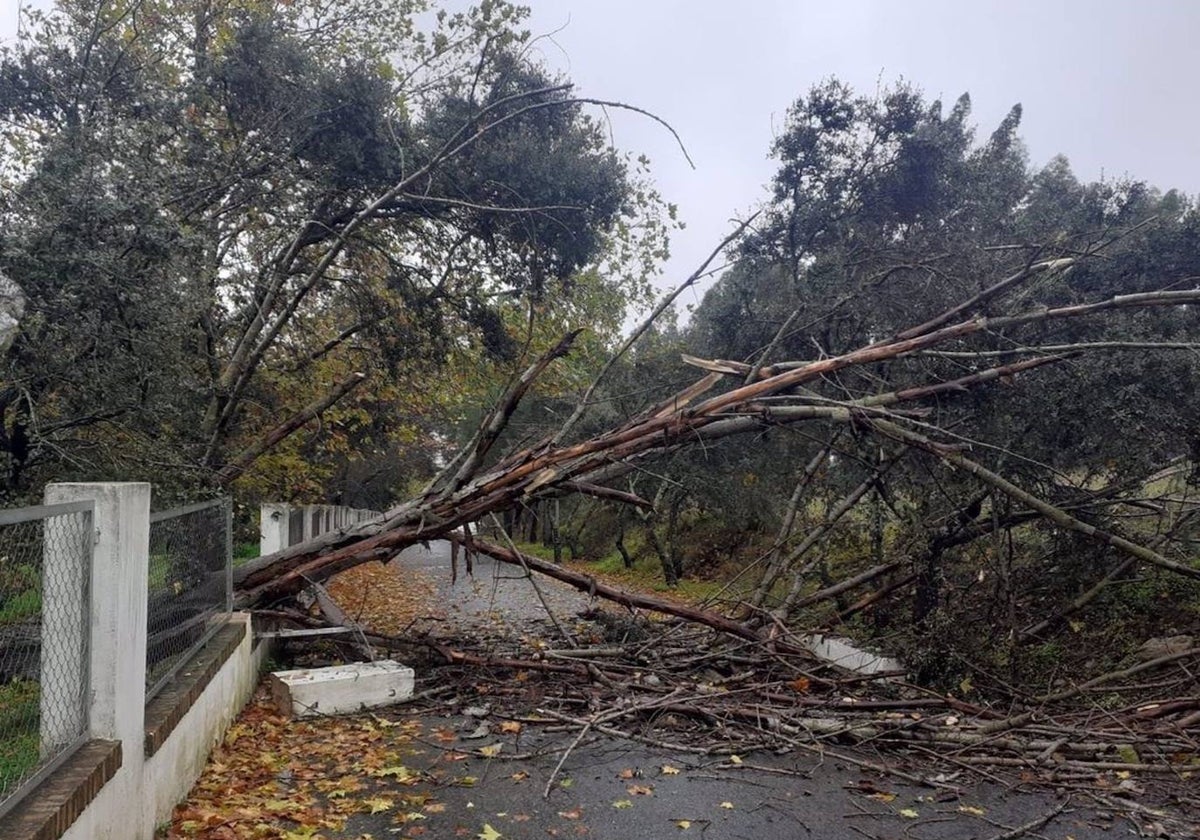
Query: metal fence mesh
(45,581)
(190,585)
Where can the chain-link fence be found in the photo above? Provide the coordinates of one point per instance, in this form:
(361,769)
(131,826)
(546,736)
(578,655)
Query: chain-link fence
(190,585)
(45,632)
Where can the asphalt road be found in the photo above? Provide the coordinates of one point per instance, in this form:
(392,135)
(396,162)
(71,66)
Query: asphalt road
(610,789)
(614,788)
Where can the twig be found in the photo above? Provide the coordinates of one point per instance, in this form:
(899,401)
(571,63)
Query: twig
(1034,825)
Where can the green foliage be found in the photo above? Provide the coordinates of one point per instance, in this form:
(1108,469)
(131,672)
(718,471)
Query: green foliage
(216,217)
(18,731)
(22,605)
(886,211)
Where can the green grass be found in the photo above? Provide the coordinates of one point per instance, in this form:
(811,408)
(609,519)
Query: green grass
(646,573)
(243,552)
(18,731)
(20,606)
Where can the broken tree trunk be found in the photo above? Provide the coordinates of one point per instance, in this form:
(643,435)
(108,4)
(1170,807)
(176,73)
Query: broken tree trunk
(469,490)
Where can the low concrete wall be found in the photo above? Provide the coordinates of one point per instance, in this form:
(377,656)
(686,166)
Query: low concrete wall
(171,772)
(144,791)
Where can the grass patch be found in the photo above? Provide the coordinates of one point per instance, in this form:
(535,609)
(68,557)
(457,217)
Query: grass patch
(21,606)
(19,716)
(244,551)
(645,575)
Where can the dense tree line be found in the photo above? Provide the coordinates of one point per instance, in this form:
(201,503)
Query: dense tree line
(300,249)
(885,211)
(258,239)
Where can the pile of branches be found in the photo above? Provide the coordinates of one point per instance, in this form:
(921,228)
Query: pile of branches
(678,685)
(683,678)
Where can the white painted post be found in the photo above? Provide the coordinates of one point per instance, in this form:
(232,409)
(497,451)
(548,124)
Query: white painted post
(118,619)
(66,562)
(307,519)
(273,527)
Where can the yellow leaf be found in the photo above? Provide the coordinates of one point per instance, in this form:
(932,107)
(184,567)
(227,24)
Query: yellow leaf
(491,751)
(881,796)
(972,810)
(378,804)
(909,813)
(668,770)
(489,833)
(727,805)
(622,804)
(402,773)
(684,825)
(735,759)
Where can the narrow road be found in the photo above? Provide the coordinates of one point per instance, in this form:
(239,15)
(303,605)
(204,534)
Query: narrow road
(497,599)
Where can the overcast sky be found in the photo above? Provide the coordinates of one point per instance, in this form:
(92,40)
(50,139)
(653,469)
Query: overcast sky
(1112,85)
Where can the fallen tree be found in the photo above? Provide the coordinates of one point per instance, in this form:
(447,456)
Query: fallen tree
(471,487)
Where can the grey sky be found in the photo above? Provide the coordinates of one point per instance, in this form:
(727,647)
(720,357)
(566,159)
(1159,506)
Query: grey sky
(1109,84)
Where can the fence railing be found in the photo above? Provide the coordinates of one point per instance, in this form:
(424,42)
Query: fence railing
(285,525)
(45,632)
(190,585)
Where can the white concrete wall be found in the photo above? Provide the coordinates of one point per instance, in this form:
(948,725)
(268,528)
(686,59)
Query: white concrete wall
(143,793)
(171,772)
(273,529)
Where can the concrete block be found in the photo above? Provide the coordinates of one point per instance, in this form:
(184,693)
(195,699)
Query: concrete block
(341,689)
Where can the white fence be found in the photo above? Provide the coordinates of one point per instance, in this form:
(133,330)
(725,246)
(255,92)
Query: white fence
(113,594)
(283,524)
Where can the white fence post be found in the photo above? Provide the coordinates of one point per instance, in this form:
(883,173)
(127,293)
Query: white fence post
(118,618)
(273,527)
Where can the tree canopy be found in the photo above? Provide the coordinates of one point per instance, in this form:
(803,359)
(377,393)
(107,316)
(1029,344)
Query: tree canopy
(228,215)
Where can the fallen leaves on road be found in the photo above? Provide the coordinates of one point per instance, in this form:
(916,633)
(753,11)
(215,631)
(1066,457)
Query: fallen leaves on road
(278,779)
(383,600)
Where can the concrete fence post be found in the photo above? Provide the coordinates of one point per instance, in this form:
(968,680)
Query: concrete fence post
(118,618)
(274,521)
